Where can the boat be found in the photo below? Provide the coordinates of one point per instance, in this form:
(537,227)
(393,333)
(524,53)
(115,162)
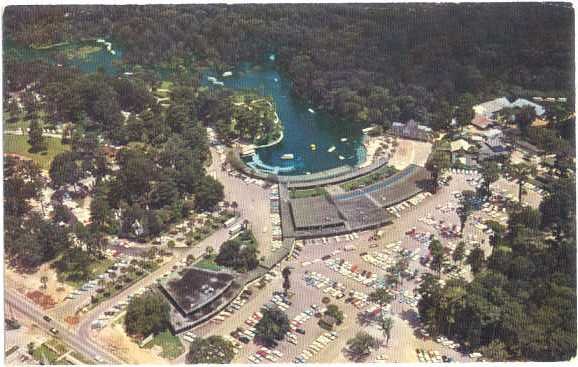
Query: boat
(313,147)
(219,83)
(311,110)
(227,73)
(331,149)
(212,79)
(113,52)
(275,80)
(341,157)
(287,156)
(343,139)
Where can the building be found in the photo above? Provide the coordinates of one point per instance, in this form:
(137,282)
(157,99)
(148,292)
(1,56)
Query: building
(482,122)
(460,150)
(487,109)
(357,210)
(520,103)
(411,130)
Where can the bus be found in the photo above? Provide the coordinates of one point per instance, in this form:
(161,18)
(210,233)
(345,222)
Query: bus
(237,228)
(230,222)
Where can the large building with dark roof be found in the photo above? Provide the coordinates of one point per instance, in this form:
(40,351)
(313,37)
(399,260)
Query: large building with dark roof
(356,210)
(411,130)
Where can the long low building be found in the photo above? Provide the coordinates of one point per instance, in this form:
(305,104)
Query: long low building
(357,210)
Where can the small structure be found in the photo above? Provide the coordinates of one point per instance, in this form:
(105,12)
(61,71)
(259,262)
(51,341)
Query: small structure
(327,322)
(520,103)
(460,150)
(489,108)
(411,130)
(482,122)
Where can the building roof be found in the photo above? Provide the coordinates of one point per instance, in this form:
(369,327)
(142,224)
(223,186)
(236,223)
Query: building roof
(520,102)
(186,291)
(314,212)
(411,130)
(492,133)
(481,121)
(460,144)
(490,107)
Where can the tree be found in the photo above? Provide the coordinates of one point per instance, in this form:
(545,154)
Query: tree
(286,282)
(437,252)
(387,326)
(64,170)
(467,206)
(524,118)
(238,255)
(495,351)
(35,138)
(459,252)
(146,314)
(381,296)
(521,172)
(360,346)
(212,350)
(273,326)
(490,174)
(335,312)
(209,250)
(476,259)
(44,281)
(209,193)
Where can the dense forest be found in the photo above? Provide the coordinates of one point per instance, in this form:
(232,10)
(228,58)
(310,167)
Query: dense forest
(373,63)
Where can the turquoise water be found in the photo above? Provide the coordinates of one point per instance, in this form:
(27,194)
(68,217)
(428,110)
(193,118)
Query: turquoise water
(89,64)
(301,127)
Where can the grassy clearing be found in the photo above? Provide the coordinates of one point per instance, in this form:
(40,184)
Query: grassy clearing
(298,194)
(96,268)
(17,144)
(43,353)
(208,263)
(372,178)
(172,346)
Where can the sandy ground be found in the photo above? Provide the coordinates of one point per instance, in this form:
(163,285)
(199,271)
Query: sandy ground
(410,151)
(373,144)
(31,282)
(122,346)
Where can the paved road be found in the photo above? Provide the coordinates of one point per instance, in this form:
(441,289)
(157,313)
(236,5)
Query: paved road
(34,313)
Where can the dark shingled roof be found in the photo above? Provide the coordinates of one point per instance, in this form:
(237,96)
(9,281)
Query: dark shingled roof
(185,291)
(314,212)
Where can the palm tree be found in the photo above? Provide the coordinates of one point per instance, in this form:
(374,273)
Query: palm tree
(387,325)
(521,172)
(286,283)
(44,281)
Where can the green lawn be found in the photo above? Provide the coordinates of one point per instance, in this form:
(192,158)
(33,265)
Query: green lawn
(96,268)
(298,194)
(372,178)
(17,144)
(208,264)
(43,353)
(172,347)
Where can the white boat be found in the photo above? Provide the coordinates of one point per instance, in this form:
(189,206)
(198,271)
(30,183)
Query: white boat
(100,40)
(211,79)
(331,149)
(311,110)
(219,83)
(287,156)
(113,52)
(275,80)
(343,139)
(227,73)
(341,157)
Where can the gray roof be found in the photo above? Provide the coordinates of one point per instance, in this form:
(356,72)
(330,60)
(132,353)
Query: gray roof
(314,212)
